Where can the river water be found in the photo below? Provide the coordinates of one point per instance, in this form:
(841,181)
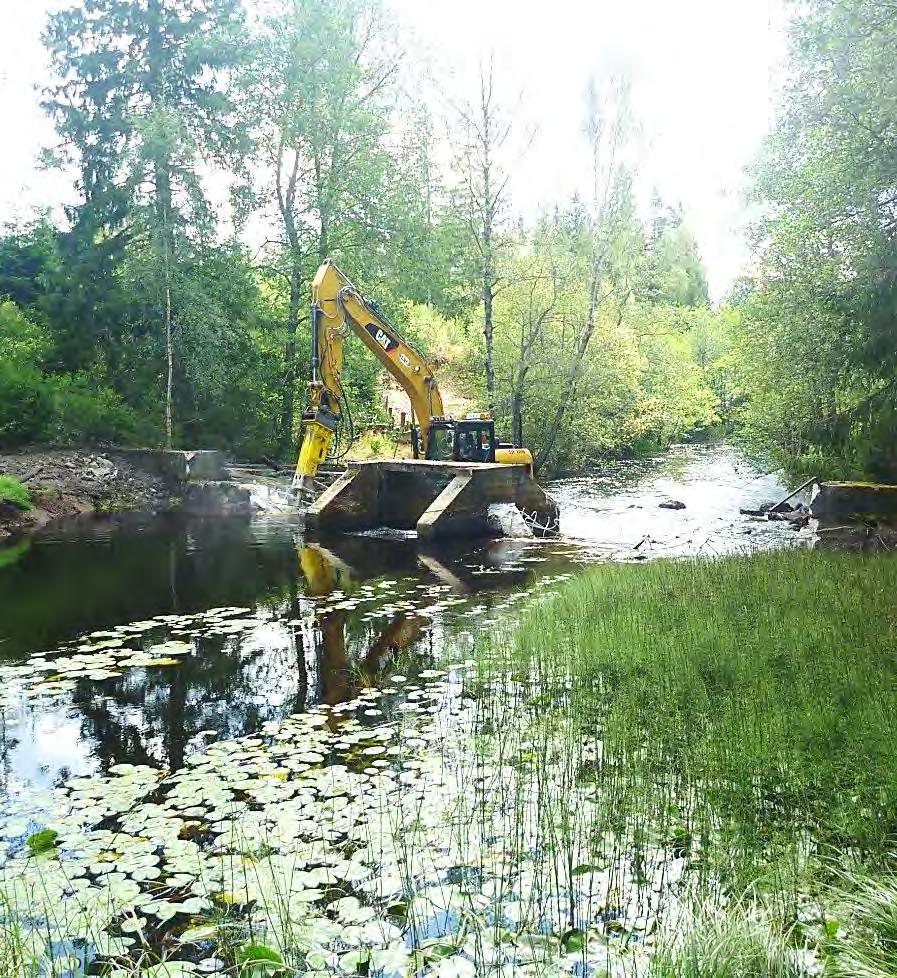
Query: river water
(304,622)
(144,661)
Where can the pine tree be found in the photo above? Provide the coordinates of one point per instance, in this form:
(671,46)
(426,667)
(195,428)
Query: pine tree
(140,104)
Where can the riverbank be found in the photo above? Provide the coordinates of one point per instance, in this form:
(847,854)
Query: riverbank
(66,482)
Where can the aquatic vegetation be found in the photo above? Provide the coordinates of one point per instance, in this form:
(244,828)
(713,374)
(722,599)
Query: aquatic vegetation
(318,838)
(738,941)
(862,929)
(752,700)
(648,776)
(330,847)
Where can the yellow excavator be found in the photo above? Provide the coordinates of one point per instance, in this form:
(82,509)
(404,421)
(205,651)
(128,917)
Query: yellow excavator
(337,309)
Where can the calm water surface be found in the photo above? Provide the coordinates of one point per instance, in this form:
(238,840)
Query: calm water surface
(304,622)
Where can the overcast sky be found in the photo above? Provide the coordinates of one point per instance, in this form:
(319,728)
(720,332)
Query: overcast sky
(704,73)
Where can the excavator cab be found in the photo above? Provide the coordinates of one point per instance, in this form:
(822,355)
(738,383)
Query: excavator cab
(468,440)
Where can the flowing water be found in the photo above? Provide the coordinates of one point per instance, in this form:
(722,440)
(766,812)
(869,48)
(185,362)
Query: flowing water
(135,647)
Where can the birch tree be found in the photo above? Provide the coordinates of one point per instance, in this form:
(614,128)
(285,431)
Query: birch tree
(613,238)
(321,91)
(486,126)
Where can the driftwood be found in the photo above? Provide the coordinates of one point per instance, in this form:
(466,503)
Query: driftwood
(791,495)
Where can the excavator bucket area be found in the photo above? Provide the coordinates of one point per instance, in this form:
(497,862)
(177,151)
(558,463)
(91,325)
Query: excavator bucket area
(439,500)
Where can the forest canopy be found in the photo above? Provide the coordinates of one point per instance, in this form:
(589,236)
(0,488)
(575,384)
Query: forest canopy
(157,312)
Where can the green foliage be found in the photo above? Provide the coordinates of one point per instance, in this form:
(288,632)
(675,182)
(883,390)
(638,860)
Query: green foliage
(42,841)
(742,941)
(36,405)
(148,96)
(673,272)
(650,374)
(9,555)
(141,103)
(818,343)
(12,491)
(257,960)
(865,938)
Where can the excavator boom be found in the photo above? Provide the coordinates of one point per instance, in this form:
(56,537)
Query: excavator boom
(338,308)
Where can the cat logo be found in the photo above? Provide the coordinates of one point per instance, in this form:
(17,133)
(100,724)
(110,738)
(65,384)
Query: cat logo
(388,342)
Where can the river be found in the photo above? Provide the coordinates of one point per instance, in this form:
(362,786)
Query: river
(143,641)
(295,641)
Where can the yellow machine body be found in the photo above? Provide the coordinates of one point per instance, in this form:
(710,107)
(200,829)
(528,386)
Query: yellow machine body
(514,456)
(338,308)
(315,445)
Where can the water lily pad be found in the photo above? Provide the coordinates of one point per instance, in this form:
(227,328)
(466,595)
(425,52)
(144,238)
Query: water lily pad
(42,841)
(198,934)
(256,960)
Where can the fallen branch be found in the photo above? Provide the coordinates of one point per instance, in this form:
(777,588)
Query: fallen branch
(791,495)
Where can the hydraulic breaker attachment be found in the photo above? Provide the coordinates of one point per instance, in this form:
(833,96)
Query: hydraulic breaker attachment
(316,441)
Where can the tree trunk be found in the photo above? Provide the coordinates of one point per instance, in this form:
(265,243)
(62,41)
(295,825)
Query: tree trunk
(288,389)
(573,372)
(488,284)
(169,362)
(287,201)
(163,217)
(517,417)
(163,201)
(323,209)
(487,333)
(517,394)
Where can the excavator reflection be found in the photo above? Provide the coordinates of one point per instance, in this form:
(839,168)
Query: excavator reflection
(325,573)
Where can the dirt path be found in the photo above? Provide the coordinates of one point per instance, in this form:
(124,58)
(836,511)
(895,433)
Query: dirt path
(70,482)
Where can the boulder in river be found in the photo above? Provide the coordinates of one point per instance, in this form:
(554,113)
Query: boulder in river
(671,504)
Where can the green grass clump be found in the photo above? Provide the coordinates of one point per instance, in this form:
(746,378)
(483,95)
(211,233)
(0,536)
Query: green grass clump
(12,491)
(738,942)
(865,945)
(745,703)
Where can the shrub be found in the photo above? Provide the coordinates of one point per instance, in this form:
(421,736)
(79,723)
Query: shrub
(25,403)
(60,408)
(12,491)
(83,411)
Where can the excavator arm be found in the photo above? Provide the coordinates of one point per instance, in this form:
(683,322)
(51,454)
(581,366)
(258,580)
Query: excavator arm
(338,308)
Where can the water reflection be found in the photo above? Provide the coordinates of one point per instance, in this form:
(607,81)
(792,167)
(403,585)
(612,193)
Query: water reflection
(320,620)
(323,622)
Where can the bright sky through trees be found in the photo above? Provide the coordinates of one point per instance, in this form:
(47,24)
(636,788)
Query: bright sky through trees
(704,76)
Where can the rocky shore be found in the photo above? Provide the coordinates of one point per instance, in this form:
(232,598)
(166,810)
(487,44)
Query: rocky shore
(70,482)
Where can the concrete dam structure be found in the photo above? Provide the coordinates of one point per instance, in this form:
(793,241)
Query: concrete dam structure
(437,499)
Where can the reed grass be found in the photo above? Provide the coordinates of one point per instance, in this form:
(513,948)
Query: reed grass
(748,702)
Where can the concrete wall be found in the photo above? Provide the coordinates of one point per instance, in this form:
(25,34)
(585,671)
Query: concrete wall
(843,500)
(438,499)
(177,467)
